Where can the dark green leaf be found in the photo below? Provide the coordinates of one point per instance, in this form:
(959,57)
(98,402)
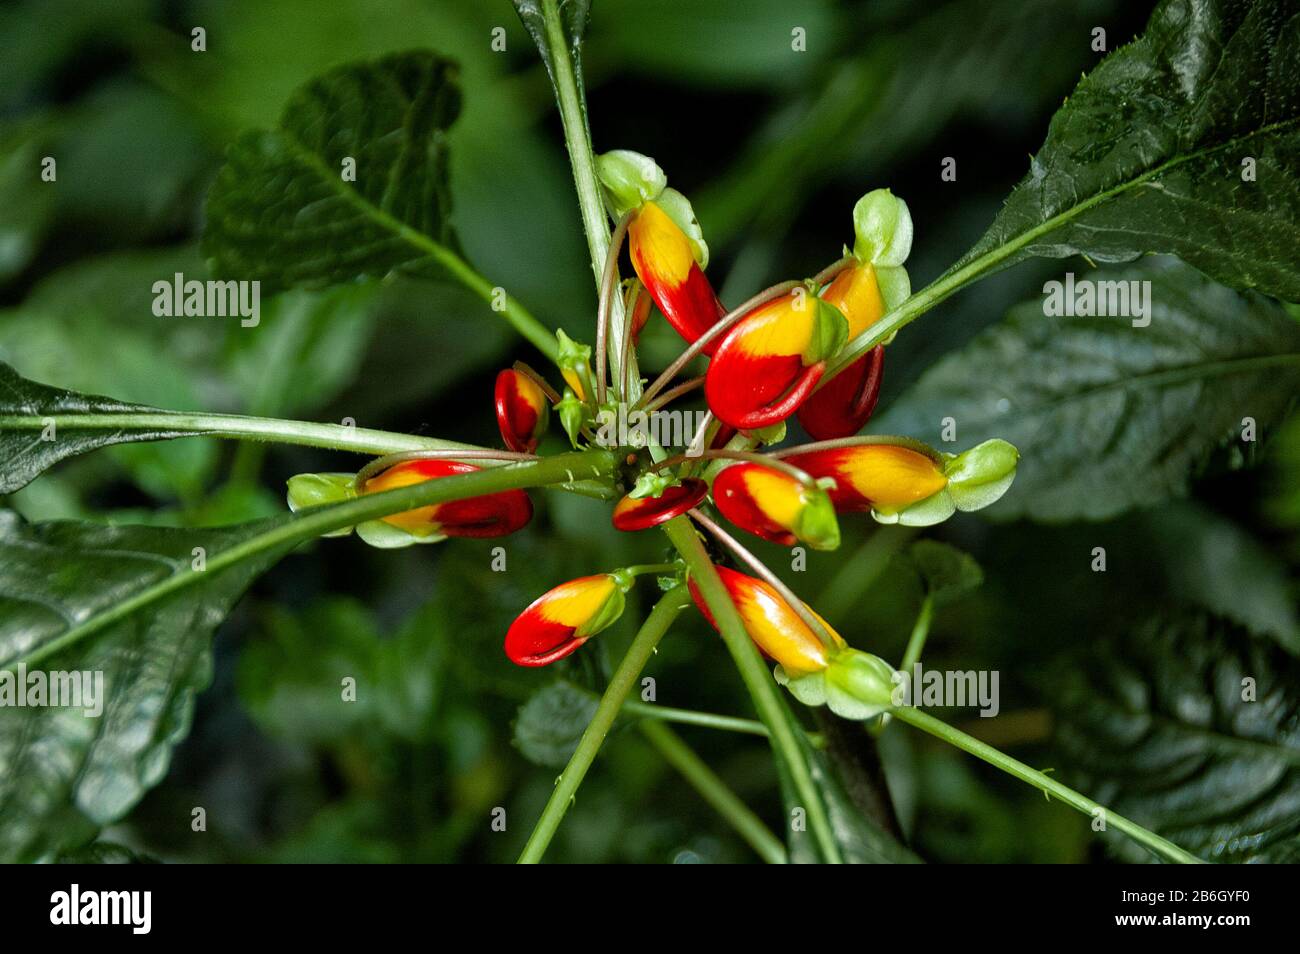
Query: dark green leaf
(1212,562)
(291,677)
(552,721)
(1108,416)
(90,326)
(31,442)
(67,774)
(946,572)
(1154,726)
(860,841)
(281,210)
(1147,153)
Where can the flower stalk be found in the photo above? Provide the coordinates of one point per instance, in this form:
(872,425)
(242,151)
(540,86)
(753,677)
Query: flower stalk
(620,685)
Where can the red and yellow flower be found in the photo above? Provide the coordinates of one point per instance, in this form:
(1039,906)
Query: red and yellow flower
(845,403)
(769,363)
(640,513)
(491,515)
(562,619)
(523,410)
(903,481)
(665,243)
(776,506)
(883,476)
(875,283)
(772,624)
(665,260)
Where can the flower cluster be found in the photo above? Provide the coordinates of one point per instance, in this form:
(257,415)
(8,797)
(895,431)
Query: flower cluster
(783,354)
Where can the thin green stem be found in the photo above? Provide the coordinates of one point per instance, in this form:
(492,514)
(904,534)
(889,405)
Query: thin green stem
(577,139)
(762,688)
(743,553)
(957,278)
(361,440)
(920,630)
(706,720)
(638,654)
(715,791)
(498,299)
(715,331)
(282,534)
(169,425)
(1162,847)
(641,569)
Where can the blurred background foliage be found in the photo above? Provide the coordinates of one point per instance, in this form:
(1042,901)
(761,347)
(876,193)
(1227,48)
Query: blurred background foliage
(774,150)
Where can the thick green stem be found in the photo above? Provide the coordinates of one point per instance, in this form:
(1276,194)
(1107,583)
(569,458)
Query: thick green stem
(920,630)
(317,521)
(638,654)
(981,750)
(715,791)
(762,688)
(594,220)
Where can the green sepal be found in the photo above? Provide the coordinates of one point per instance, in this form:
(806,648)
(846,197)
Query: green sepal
(385,536)
(859,685)
(980,476)
(629,179)
(816,524)
(928,511)
(809,689)
(574,415)
(765,436)
(608,613)
(830,331)
(315,490)
(652,484)
(678,208)
(882,226)
(895,285)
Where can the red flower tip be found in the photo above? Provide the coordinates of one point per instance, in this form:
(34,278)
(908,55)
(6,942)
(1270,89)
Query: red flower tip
(522,410)
(845,404)
(776,506)
(562,619)
(769,363)
(491,515)
(641,513)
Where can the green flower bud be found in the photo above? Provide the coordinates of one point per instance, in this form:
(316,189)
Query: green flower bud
(816,524)
(883,227)
(314,490)
(859,685)
(629,179)
(981,475)
(574,360)
(574,415)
